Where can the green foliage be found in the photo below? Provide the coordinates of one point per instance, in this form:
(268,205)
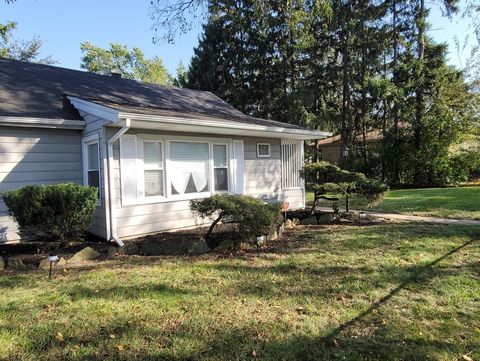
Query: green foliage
(60,212)
(132,63)
(23,50)
(253,216)
(328,181)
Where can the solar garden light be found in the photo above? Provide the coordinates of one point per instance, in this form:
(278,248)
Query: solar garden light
(51,259)
(362,216)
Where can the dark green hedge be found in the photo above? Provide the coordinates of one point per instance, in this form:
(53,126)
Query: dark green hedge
(60,212)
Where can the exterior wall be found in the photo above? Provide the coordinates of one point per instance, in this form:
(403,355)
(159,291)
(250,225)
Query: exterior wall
(95,125)
(331,153)
(36,156)
(262,178)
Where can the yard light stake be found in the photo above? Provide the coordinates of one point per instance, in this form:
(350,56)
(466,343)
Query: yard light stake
(51,259)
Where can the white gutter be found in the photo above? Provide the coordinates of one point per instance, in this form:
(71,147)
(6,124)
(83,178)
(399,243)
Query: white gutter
(42,123)
(111,186)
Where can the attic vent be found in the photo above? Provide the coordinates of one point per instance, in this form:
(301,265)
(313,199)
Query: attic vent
(116,73)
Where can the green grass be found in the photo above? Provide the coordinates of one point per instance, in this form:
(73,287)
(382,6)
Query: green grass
(436,202)
(329,293)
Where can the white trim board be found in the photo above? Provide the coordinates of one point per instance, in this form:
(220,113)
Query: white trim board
(42,123)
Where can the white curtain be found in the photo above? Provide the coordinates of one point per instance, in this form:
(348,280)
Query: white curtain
(188,160)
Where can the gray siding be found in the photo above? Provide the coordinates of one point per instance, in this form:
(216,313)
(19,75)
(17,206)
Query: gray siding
(95,125)
(262,178)
(36,156)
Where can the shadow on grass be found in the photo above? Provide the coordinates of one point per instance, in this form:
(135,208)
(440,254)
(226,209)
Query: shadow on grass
(418,274)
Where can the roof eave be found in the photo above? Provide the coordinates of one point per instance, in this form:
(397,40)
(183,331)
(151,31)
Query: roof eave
(29,122)
(218,127)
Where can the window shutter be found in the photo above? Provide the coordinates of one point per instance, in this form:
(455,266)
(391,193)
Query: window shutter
(128,168)
(238,165)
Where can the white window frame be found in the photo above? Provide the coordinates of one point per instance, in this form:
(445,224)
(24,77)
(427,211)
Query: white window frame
(86,141)
(263,155)
(143,168)
(166,141)
(227,166)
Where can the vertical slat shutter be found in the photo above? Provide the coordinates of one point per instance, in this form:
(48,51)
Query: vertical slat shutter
(238,155)
(128,168)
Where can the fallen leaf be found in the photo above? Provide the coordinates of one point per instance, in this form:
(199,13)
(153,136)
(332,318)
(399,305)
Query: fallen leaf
(254,354)
(467,358)
(120,347)
(59,336)
(112,336)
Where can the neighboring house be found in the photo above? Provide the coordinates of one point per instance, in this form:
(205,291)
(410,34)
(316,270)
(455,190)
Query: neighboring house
(330,149)
(149,149)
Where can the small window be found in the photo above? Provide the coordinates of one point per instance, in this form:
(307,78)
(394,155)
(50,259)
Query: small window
(91,163)
(153,174)
(220,168)
(263,150)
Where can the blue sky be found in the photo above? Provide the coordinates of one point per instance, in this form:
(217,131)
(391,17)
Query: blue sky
(62,25)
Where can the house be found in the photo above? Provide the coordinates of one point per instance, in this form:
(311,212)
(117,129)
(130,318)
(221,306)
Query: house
(149,149)
(330,149)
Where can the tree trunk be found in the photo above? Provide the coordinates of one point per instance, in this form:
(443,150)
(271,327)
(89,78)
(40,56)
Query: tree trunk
(419,91)
(396,170)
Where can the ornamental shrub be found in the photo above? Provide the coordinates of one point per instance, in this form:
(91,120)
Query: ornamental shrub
(329,181)
(60,212)
(253,217)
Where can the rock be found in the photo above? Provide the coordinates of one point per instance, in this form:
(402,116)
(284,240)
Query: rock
(86,254)
(309,221)
(129,249)
(281,229)
(273,236)
(2,263)
(225,245)
(289,224)
(199,247)
(62,262)
(295,222)
(111,251)
(44,264)
(16,264)
(151,249)
(325,218)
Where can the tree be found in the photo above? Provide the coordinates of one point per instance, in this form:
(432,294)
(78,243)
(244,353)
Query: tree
(329,181)
(132,63)
(23,50)
(182,75)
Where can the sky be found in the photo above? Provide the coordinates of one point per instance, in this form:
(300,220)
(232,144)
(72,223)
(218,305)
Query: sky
(63,24)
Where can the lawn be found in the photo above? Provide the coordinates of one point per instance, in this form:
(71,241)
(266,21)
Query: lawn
(437,202)
(383,292)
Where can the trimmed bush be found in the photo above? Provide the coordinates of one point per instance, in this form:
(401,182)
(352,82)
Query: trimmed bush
(60,212)
(253,216)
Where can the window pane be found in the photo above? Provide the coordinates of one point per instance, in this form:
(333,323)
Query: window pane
(221,179)
(220,155)
(189,167)
(93,156)
(154,183)
(152,153)
(93,178)
(264,149)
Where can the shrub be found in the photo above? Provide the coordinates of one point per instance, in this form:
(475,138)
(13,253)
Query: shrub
(328,181)
(60,212)
(253,216)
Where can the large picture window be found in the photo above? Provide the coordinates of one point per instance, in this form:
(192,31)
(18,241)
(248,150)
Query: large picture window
(159,168)
(188,168)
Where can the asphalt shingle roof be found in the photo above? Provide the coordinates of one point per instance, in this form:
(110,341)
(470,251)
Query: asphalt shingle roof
(35,90)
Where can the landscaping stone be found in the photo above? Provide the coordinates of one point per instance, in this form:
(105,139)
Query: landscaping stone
(151,249)
(273,236)
(281,229)
(199,247)
(225,245)
(86,254)
(289,224)
(62,262)
(309,221)
(17,264)
(2,263)
(129,249)
(112,251)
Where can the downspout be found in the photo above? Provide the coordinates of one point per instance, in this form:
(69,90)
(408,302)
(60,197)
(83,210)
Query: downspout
(111,188)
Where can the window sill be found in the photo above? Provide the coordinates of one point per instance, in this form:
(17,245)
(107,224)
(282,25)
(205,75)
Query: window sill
(174,198)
